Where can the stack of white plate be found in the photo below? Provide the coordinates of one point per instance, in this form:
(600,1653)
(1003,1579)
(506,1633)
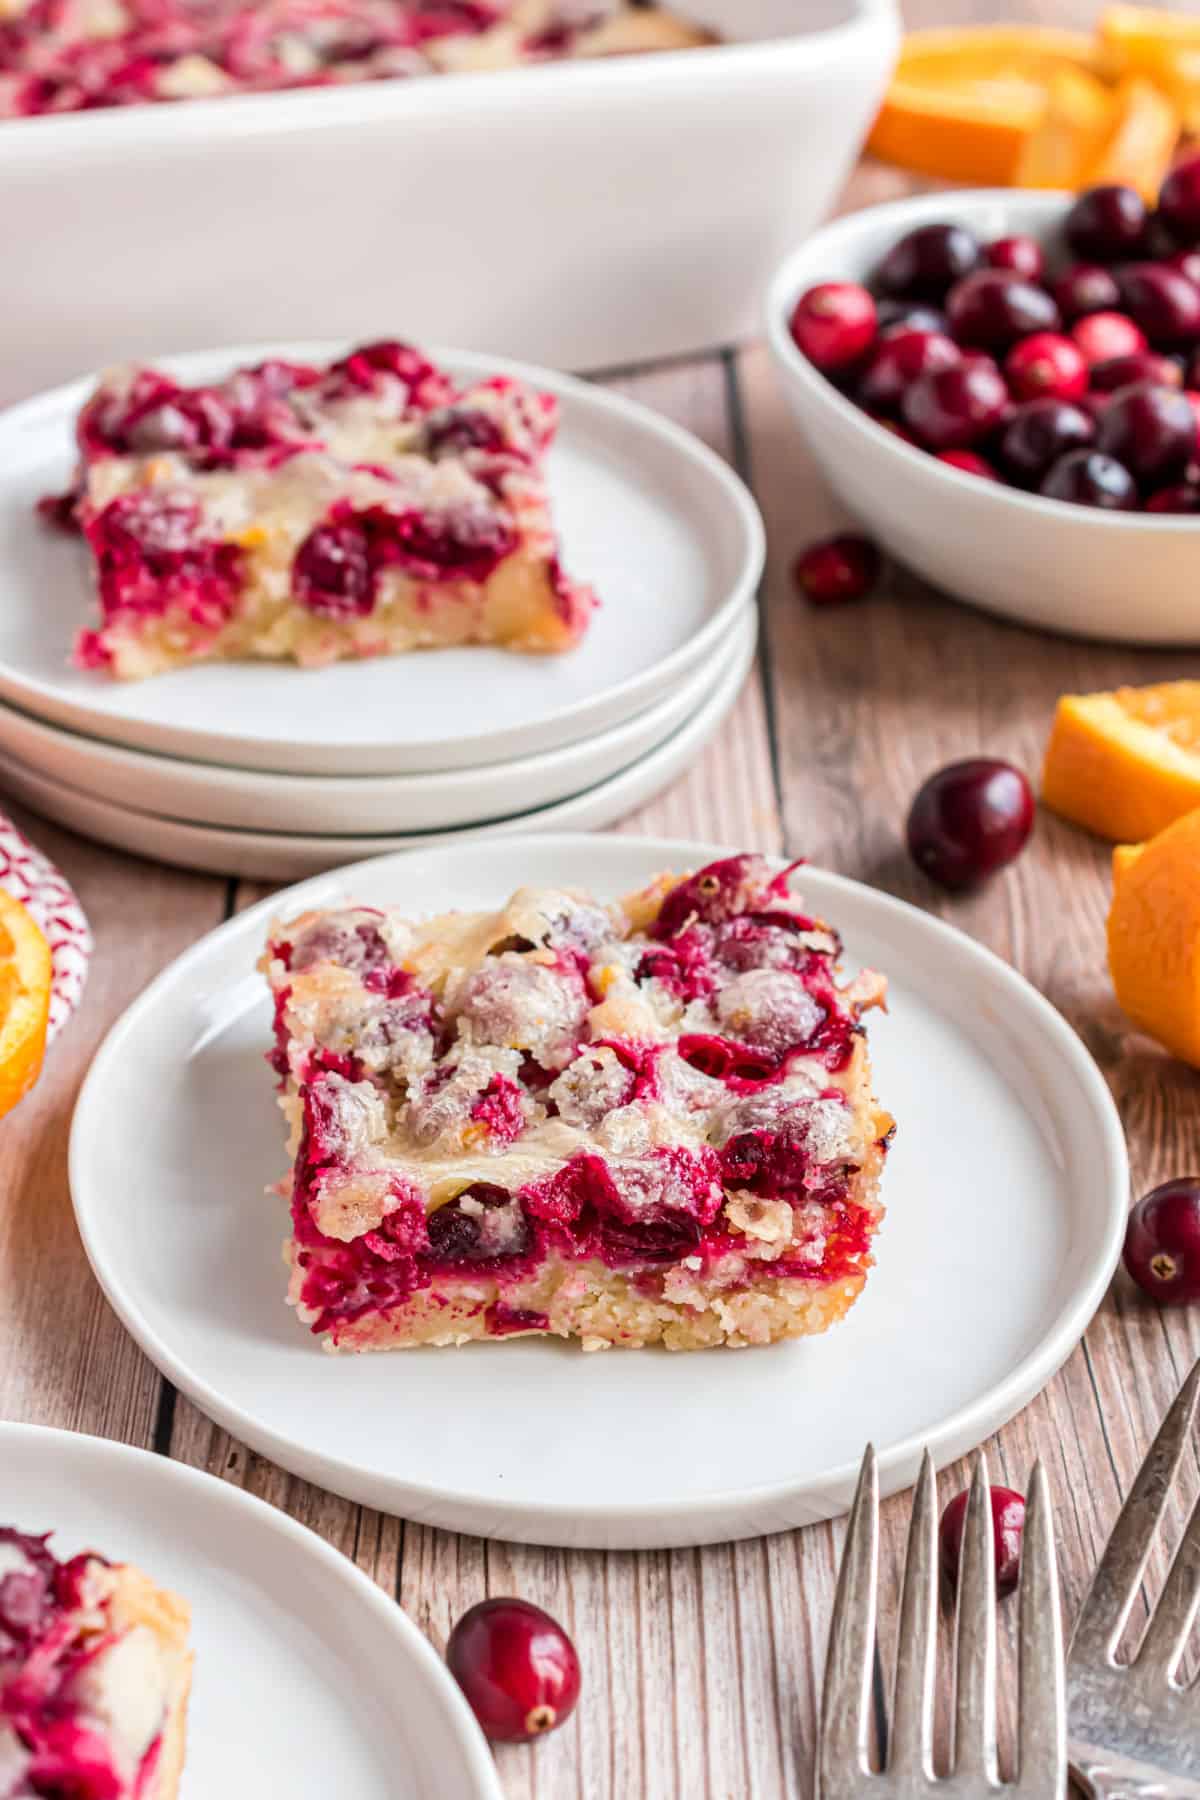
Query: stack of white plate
(272,771)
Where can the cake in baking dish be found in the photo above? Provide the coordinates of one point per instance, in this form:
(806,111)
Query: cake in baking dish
(94,1677)
(74,55)
(306,513)
(648,1122)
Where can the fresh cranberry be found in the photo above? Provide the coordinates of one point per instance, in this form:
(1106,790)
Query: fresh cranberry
(1183,498)
(1163,302)
(1041,431)
(912,313)
(1106,224)
(970,462)
(1152,430)
(1008,1529)
(1179,200)
(898,358)
(992,309)
(1162,1241)
(1022,256)
(1103,335)
(837,569)
(950,409)
(1086,478)
(968,820)
(1046,364)
(1188,263)
(928,261)
(332,573)
(1086,288)
(1141,365)
(517,1667)
(834,324)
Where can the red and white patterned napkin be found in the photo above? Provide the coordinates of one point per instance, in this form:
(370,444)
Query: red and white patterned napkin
(33,879)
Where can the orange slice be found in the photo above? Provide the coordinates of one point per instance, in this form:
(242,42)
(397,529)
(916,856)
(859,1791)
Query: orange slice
(1162,46)
(1154,935)
(1125,764)
(963,102)
(1076,123)
(1145,133)
(25,973)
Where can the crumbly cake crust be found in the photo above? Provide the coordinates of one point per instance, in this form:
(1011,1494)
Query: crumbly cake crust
(643,1123)
(295,512)
(95,1675)
(66,55)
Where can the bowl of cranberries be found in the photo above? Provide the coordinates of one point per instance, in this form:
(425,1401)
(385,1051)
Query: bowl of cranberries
(1004,389)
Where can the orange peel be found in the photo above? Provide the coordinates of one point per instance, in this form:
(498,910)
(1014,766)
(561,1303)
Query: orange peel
(1154,936)
(25,977)
(1125,764)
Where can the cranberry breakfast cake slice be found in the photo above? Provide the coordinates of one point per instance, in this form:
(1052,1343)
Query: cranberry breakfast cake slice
(631,1124)
(94,1677)
(305,513)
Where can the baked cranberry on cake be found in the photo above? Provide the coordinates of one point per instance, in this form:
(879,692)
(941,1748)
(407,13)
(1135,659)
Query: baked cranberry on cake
(94,1677)
(313,513)
(648,1122)
(68,55)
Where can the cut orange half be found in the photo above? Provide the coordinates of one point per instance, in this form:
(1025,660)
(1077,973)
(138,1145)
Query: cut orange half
(1125,764)
(1077,121)
(25,975)
(1139,148)
(1154,935)
(963,102)
(1162,46)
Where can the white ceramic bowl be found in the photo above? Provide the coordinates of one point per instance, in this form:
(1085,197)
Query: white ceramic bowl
(1124,576)
(576,214)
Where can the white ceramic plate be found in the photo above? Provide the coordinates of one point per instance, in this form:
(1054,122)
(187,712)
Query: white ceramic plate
(661,527)
(309,1681)
(1006,1194)
(249,800)
(277,856)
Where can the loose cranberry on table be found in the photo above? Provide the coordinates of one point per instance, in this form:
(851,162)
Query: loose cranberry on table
(1162,1241)
(968,820)
(1151,430)
(899,357)
(517,1668)
(951,409)
(837,569)
(834,324)
(1179,201)
(1103,335)
(1008,1531)
(1038,433)
(928,261)
(1087,478)
(1046,363)
(1024,256)
(1107,224)
(1085,288)
(991,309)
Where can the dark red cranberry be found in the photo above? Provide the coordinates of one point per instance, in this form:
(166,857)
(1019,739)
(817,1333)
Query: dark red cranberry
(1162,1241)
(969,820)
(1152,430)
(834,324)
(837,569)
(1103,335)
(332,573)
(1086,288)
(896,361)
(1164,303)
(1188,263)
(517,1667)
(1179,201)
(928,261)
(1008,1530)
(1041,431)
(911,313)
(951,409)
(1183,498)
(1022,256)
(1046,364)
(1086,478)
(1107,224)
(970,462)
(1141,365)
(1193,400)
(993,309)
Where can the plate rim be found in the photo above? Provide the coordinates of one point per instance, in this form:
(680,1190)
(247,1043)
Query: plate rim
(636,1521)
(478,1763)
(561,726)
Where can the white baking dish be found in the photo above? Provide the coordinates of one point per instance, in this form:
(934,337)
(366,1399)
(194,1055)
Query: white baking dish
(583,214)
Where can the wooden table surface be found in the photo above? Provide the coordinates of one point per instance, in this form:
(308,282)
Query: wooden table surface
(702,1667)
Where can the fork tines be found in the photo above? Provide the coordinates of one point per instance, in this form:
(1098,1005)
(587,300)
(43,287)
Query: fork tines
(842,1760)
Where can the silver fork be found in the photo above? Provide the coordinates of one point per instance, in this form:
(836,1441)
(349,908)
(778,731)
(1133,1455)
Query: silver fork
(1135,1731)
(843,1769)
